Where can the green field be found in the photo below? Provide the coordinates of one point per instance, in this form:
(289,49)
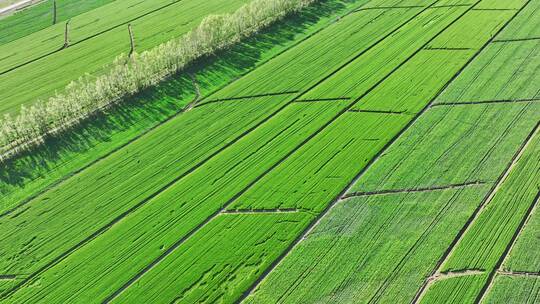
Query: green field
(357,151)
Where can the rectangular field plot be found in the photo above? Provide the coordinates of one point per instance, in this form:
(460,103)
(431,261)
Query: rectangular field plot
(300,67)
(524,255)
(514,290)
(315,174)
(526,25)
(362,74)
(502,72)
(127,178)
(416,83)
(497,224)
(375,248)
(436,150)
(501,4)
(216,264)
(455,288)
(142,235)
(472,30)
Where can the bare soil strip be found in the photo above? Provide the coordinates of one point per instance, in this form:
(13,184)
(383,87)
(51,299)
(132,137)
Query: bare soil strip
(323,99)
(518,273)
(413,190)
(381,112)
(258,211)
(516,39)
(500,101)
(247,97)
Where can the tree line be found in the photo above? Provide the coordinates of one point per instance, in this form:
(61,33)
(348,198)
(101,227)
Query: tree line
(129,75)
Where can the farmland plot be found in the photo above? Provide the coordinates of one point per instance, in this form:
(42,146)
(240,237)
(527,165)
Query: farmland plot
(149,110)
(486,241)
(514,290)
(309,263)
(41,16)
(261,189)
(92,56)
(74,188)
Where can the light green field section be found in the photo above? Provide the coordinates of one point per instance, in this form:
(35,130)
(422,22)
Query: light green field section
(524,254)
(370,249)
(526,24)
(472,30)
(458,288)
(415,83)
(504,71)
(514,290)
(425,158)
(493,230)
(353,80)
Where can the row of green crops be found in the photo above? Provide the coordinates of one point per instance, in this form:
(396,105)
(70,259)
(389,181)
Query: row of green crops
(197,120)
(179,217)
(41,16)
(35,171)
(405,253)
(514,289)
(179,185)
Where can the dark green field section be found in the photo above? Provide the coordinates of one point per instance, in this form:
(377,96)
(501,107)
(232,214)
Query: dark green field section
(362,151)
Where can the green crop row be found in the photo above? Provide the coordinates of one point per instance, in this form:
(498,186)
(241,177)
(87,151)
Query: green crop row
(73,190)
(38,169)
(40,16)
(514,290)
(526,26)
(524,254)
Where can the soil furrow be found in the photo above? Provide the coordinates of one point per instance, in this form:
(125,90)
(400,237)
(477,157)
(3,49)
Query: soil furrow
(413,190)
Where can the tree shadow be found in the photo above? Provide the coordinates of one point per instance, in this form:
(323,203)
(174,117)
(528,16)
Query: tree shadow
(155,105)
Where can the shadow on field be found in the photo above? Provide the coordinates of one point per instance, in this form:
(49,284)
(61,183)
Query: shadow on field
(154,105)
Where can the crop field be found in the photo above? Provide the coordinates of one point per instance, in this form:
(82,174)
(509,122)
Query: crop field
(347,151)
